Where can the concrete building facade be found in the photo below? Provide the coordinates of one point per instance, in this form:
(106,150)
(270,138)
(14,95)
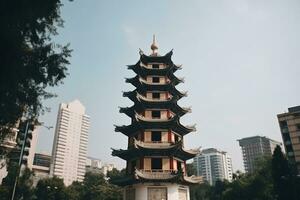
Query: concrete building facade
(41,166)
(69,150)
(290,131)
(10,142)
(213,165)
(254,148)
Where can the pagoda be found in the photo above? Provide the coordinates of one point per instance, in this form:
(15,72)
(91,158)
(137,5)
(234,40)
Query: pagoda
(155,156)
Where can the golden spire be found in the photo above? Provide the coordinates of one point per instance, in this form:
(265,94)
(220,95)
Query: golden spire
(154,46)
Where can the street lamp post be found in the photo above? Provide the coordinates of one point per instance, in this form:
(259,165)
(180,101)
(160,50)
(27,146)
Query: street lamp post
(20,161)
(22,154)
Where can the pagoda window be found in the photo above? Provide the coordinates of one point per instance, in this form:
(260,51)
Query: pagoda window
(176,138)
(156,95)
(156,163)
(155,66)
(179,167)
(155,114)
(155,79)
(156,136)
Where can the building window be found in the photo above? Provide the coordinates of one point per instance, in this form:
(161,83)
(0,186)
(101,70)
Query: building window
(155,79)
(283,124)
(298,126)
(176,138)
(156,136)
(156,163)
(156,95)
(156,114)
(155,66)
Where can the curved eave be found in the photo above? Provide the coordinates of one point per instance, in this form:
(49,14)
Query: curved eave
(131,95)
(143,71)
(192,179)
(138,107)
(134,81)
(131,129)
(162,88)
(137,151)
(175,79)
(159,59)
(174,124)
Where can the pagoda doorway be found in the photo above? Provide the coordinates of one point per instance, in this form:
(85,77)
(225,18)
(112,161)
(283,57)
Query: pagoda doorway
(157,193)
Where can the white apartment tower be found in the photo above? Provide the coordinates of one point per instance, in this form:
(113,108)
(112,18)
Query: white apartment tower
(70,142)
(213,165)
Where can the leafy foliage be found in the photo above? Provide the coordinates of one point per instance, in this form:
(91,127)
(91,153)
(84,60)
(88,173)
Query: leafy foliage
(51,189)
(30,61)
(274,179)
(24,186)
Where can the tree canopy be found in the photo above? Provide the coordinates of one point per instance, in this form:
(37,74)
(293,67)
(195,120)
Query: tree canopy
(29,58)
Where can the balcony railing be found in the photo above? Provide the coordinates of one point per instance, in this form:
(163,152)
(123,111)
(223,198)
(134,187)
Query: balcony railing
(156,173)
(152,119)
(154,144)
(152,83)
(153,99)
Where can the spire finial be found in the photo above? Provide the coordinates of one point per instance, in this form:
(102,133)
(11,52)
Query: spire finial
(154,47)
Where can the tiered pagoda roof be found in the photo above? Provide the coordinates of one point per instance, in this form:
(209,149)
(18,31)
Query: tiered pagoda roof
(162,68)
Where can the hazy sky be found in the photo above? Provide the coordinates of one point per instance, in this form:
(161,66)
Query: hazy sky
(240,61)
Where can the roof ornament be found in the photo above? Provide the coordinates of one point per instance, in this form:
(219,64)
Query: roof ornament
(141,52)
(154,47)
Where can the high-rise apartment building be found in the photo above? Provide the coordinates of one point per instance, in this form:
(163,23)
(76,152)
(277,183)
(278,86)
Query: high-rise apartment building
(70,142)
(213,165)
(254,148)
(290,131)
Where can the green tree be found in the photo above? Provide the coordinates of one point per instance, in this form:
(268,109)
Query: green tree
(114,175)
(190,169)
(200,191)
(24,184)
(95,187)
(285,179)
(30,61)
(255,186)
(74,191)
(51,189)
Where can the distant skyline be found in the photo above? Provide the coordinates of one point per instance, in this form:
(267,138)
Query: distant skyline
(240,62)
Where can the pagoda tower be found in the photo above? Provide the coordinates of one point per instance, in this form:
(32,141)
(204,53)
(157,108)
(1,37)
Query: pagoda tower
(155,156)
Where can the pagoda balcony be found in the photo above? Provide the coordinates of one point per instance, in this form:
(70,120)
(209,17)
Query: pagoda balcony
(156,174)
(154,144)
(146,119)
(143,98)
(143,81)
(150,65)
(144,70)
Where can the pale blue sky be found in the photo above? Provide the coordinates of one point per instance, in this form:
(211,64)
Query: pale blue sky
(240,61)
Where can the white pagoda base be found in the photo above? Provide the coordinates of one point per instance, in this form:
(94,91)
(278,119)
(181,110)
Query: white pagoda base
(156,191)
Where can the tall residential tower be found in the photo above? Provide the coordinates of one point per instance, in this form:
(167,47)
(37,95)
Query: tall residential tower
(290,131)
(70,142)
(213,165)
(254,148)
(155,156)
